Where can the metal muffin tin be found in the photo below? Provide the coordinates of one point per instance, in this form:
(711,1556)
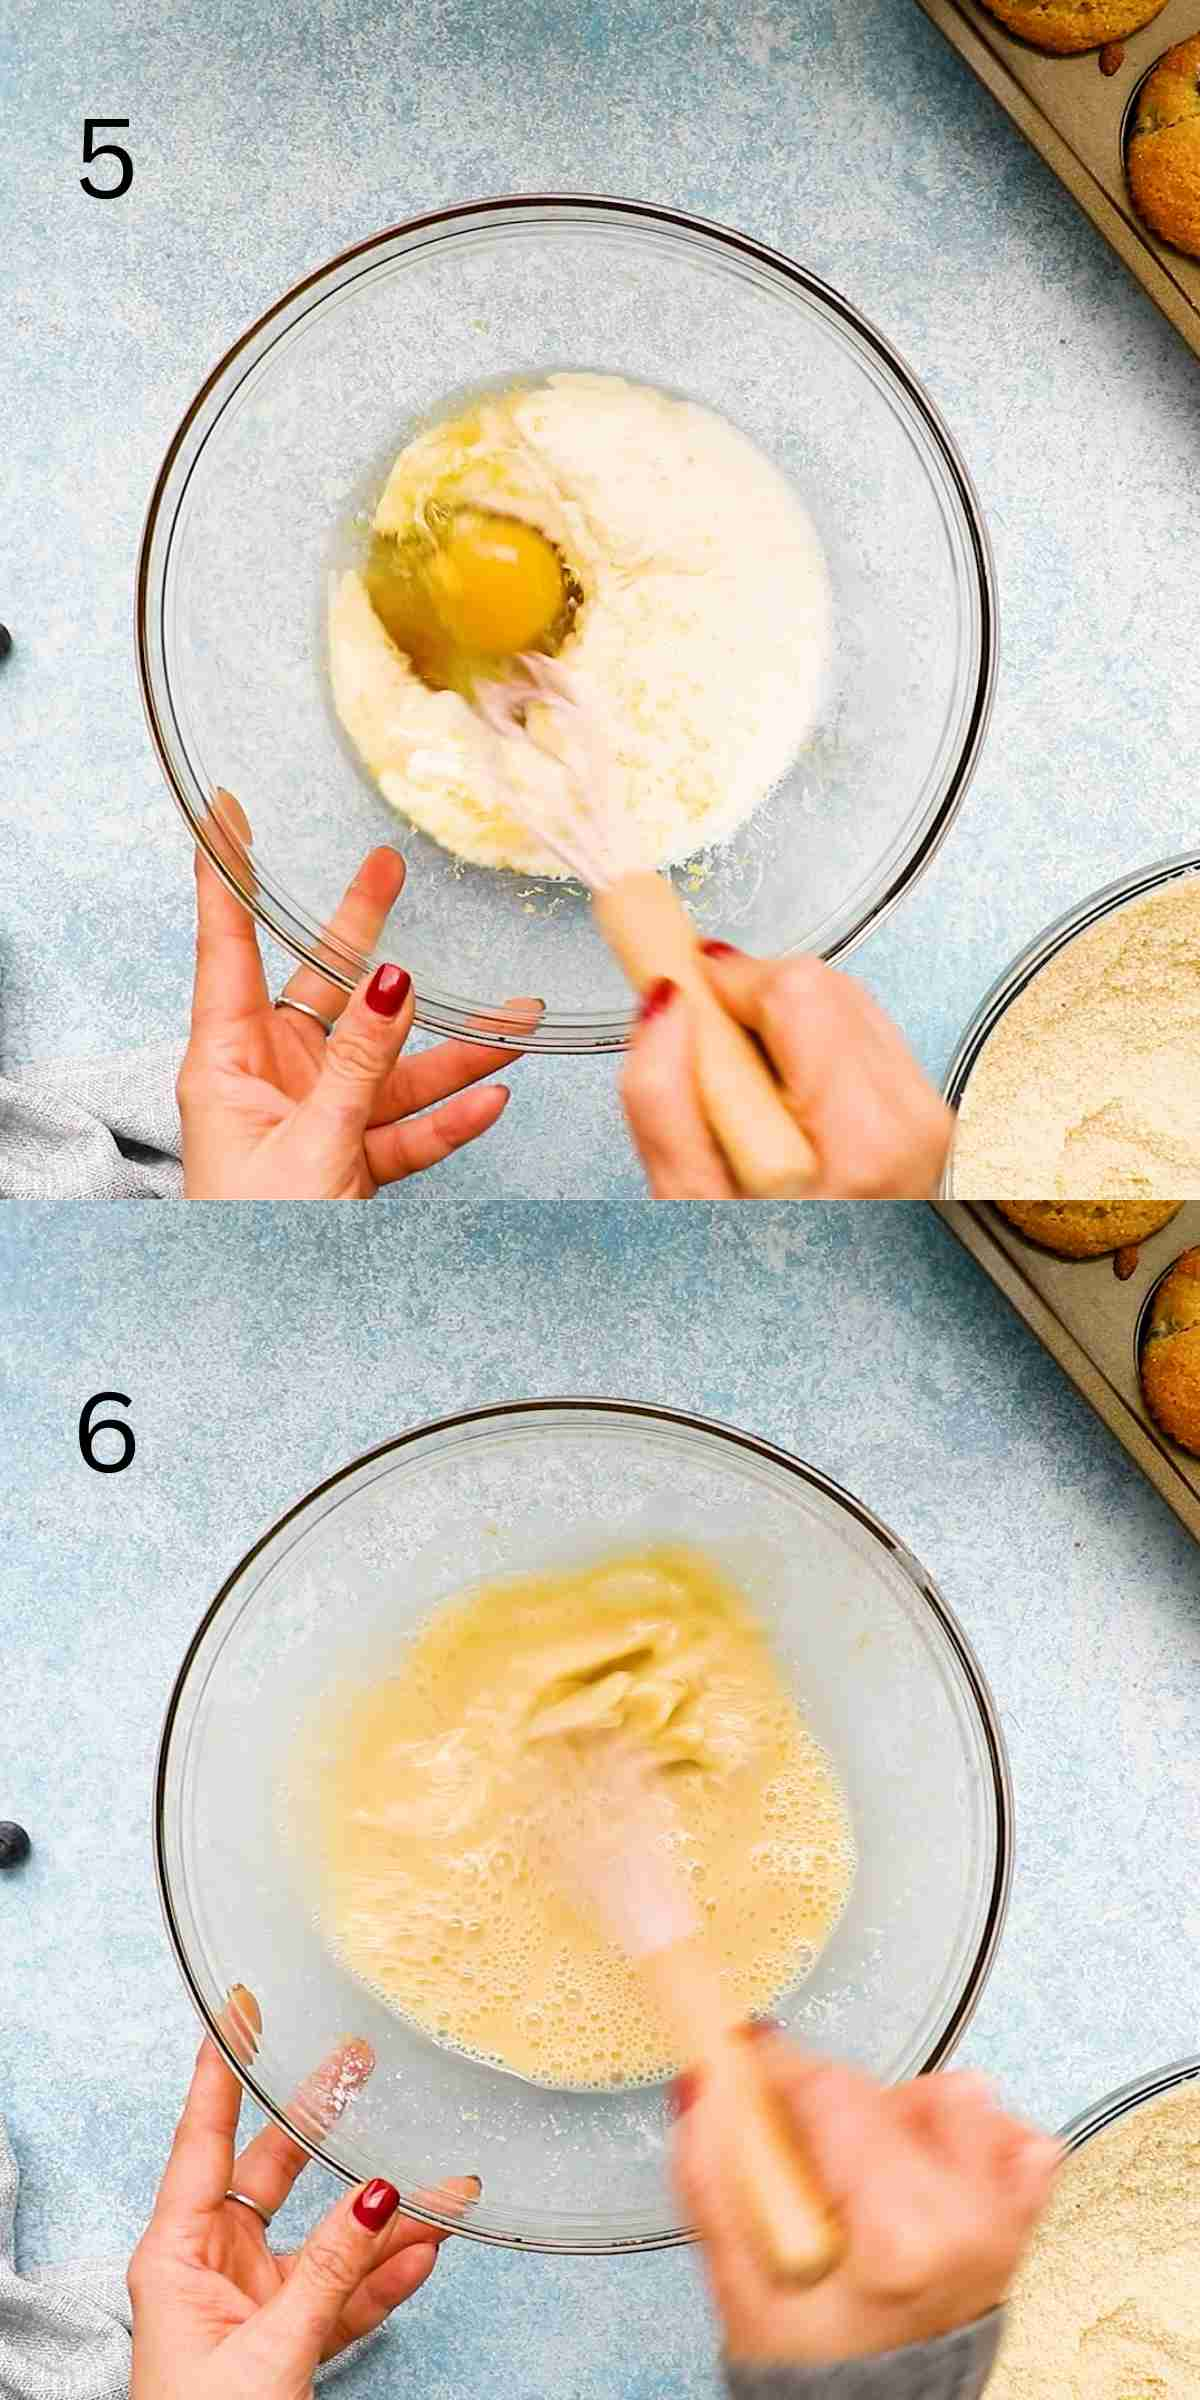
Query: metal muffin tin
(1090,1321)
(1077,117)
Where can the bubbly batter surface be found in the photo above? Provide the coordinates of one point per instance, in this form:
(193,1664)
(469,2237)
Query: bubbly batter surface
(430,1793)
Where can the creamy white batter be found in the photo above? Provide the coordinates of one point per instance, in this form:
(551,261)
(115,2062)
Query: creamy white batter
(702,639)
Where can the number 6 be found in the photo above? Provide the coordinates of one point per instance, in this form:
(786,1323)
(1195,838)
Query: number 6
(88,1432)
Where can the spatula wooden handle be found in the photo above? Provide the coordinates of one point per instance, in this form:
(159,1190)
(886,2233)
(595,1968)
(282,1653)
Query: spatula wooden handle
(795,2230)
(648,928)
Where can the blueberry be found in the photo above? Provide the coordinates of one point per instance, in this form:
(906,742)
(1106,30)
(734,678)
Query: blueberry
(5,641)
(15,1845)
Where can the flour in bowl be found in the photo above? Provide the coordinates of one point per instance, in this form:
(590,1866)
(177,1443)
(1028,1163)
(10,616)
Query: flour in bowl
(1108,2303)
(1089,1088)
(691,601)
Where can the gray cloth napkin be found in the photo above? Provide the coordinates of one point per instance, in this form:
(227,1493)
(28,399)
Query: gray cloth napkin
(65,2331)
(92,1129)
(955,2368)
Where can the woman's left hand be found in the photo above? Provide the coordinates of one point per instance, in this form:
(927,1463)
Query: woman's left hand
(217,2315)
(271,1108)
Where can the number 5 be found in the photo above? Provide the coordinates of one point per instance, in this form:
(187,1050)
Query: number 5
(92,150)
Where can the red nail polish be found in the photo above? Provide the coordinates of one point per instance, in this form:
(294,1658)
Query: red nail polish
(684,2091)
(718,950)
(377,2202)
(388,990)
(657,997)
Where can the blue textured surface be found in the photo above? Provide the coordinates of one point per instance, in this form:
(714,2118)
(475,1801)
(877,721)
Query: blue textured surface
(264,1348)
(266,140)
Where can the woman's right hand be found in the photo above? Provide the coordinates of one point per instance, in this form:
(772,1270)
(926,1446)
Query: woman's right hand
(877,1127)
(937,2193)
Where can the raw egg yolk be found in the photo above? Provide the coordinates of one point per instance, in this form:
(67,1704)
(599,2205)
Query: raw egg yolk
(496,583)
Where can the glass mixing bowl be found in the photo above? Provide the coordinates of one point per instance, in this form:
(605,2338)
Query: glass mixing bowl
(886,1680)
(289,441)
(1106,2113)
(1036,955)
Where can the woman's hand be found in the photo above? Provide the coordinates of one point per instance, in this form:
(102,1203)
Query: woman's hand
(272,1109)
(936,2190)
(875,1122)
(216,2314)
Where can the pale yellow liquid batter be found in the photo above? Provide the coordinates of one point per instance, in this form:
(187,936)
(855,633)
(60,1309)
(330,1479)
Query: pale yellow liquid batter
(430,1792)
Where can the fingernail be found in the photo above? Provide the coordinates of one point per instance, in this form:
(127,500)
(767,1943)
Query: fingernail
(377,2202)
(230,814)
(241,2020)
(657,997)
(242,2001)
(477,2180)
(684,2091)
(719,950)
(388,990)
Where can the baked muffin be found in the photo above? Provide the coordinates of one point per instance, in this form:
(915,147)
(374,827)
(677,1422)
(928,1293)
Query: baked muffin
(1164,148)
(1067,25)
(1087,1228)
(1170,1360)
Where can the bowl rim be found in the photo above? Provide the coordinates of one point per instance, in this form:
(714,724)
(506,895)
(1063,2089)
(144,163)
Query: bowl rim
(1037,953)
(595,1035)
(1126,2099)
(997,1770)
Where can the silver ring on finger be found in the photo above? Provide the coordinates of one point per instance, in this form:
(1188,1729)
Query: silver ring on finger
(243,2198)
(326,1024)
